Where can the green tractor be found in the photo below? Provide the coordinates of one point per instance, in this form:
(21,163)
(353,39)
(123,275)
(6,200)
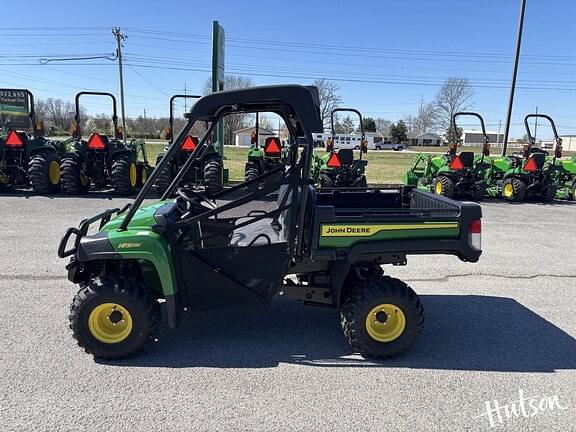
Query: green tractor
(262,159)
(454,175)
(321,247)
(340,169)
(529,175)
(103,161)
(209,170)
(26,159)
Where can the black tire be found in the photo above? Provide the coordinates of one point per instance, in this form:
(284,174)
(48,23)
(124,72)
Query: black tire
(124,175)
(73,181)
(518,187)
(213,176)
(251,171)
(361,182)
(44,172)
(443,185)
(360,303)
(479,192)
(133,297)
(142,174)
(325,181)
(164,179)
(548,192)
(573,192)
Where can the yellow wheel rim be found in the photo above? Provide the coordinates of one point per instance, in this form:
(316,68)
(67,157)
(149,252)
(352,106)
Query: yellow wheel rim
(439,188)
(54,172)
(133,174)
(110,323)
(385,323)
(144,175)
(508,190)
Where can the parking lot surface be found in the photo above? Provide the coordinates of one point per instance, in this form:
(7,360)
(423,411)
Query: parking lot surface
(495,328)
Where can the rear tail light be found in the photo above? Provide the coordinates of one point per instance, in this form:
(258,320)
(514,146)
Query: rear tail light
(456,164)
(475,228)
(14,140)
(189,143)
(95,142)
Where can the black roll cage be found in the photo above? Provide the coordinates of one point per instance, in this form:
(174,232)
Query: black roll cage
(485,144)
(532,139)
(32,113)
(91,93)
(293,104)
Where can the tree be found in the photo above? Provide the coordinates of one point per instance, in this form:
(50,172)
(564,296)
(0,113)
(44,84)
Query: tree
(398,132)
(330,98)
(369,124)
(232,122)
(454,95)
(348,125)
(382,126)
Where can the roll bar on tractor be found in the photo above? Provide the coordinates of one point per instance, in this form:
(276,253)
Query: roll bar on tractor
(297,105)
(485,144)
(78,132)
(170,137)
(363,142)
(532,139)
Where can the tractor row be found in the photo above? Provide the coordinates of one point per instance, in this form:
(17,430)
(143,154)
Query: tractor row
(533,174)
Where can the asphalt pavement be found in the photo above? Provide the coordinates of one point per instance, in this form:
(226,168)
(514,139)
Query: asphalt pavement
(493,329)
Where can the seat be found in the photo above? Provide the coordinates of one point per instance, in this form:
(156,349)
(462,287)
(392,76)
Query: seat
(261,232)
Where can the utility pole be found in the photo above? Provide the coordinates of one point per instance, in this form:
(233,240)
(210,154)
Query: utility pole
(185,107)
(536,124)
(514,74)
(145,126)
(498,136)
(119,39)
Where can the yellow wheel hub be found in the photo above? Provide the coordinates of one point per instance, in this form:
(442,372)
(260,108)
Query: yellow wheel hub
(110,323)
(144,176)
(133,174)
(439,188)
(54,172)
(508,190)
(385,323)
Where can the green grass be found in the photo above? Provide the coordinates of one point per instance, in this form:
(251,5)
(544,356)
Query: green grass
(384,167)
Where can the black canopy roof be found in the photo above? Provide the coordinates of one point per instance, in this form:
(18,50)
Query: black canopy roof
(301,103)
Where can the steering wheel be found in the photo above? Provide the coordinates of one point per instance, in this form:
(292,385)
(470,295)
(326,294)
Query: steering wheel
(189,196)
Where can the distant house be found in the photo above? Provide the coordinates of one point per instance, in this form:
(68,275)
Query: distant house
(425,139)
(474,138)
(569,142)
(242,137)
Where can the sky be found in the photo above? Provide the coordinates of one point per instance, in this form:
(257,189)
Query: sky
(386,56)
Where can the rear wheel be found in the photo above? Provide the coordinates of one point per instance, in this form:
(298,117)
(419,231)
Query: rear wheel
(74,180)
(114,318)
(124,175)
(361,182)
(213,176)
(381,317)
(251,171)
(514,190)
(548,192)
(142,174)
(326,181)
(443,185)
(44,172)
(164,179)
(479,191)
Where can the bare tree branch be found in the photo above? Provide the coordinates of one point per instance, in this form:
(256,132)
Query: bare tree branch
(330,98)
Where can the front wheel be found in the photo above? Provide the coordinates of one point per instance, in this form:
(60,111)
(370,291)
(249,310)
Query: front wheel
(213,176)
(113,319)
(74,179)
(326,181)
(443,185)
(381,317)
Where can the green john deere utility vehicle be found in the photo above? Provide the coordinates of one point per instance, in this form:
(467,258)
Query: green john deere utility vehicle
(103,161)
(262,159)
(208,171)
(339,169)
(454,175)
(26,158)
(529,175)
(322,247)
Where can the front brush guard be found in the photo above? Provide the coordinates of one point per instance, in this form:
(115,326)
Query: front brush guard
(104,217)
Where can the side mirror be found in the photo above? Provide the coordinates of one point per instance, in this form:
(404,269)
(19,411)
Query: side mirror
(168,134)
(329,144)
(558,149)
(74,131)
(364,145)
(119,133)
(486,149)
(39,129)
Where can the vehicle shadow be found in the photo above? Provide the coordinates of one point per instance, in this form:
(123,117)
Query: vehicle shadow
(99,194)
(479,333)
